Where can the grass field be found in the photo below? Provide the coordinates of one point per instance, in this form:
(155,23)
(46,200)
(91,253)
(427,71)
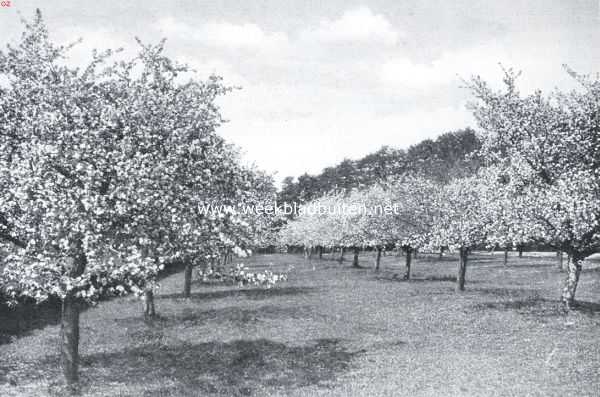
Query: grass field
(332,330)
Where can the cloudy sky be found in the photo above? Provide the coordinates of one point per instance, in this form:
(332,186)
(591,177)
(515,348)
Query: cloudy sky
(325,80)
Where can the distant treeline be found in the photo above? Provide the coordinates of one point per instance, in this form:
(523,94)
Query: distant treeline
(453,154)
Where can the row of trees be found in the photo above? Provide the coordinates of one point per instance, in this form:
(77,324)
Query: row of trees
(103,172)
(541,184)
(408,214)
(451,155)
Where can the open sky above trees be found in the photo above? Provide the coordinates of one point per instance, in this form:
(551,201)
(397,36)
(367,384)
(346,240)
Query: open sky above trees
(326,81)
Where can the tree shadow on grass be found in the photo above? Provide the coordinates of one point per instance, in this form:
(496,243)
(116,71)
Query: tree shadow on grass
(532,306)
(519,293)
(429,259)
(230,316)
(539,307)
(248,293)
(434,278)
(591,308)
(514,265)
(241,367)
(391,276)
(25,318)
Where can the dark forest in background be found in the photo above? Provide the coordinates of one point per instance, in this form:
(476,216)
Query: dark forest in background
(453,154)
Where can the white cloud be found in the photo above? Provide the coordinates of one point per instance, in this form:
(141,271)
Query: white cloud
(447,69)
(225,35)
(539,69)
(358,25)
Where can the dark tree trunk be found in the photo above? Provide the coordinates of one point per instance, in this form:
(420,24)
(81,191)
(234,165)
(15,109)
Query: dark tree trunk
(559,257)
(505,256)
(69,352)
(441,252)
(310,253)
(355,259)
(462,269)
(407,263)
(520,248)
(149,310)
(69,324)
(378,259)
(341,258)
(320,252)
(187,282)
(414,253)
(225,260)
(573,272)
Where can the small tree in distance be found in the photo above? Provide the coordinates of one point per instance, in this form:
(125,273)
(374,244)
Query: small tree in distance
(459,221)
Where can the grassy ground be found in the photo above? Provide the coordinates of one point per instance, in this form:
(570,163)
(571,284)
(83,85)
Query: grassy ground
(336,331)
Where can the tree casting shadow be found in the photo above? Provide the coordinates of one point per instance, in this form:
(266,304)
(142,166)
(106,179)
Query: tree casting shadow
(240,367)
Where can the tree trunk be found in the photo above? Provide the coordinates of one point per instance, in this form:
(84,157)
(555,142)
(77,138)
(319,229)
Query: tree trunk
(305,253)
(559,256)
(187,283)
(69,329)
(320,252)
(462,269)
(225,260)
(407,263)
(378,259)
(441,252)
(341,258)
(520,248)
(505,256)
(310,253)
(570,286)
(355,259)
(414,253)
(69,323)
(149,310)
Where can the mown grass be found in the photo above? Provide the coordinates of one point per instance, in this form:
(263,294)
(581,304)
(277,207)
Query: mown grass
(332,330)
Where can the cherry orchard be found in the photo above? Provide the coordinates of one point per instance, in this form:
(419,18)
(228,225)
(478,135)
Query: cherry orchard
(396,213)
(549,150)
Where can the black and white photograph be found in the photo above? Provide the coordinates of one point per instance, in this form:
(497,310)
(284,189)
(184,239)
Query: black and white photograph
(300,198)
